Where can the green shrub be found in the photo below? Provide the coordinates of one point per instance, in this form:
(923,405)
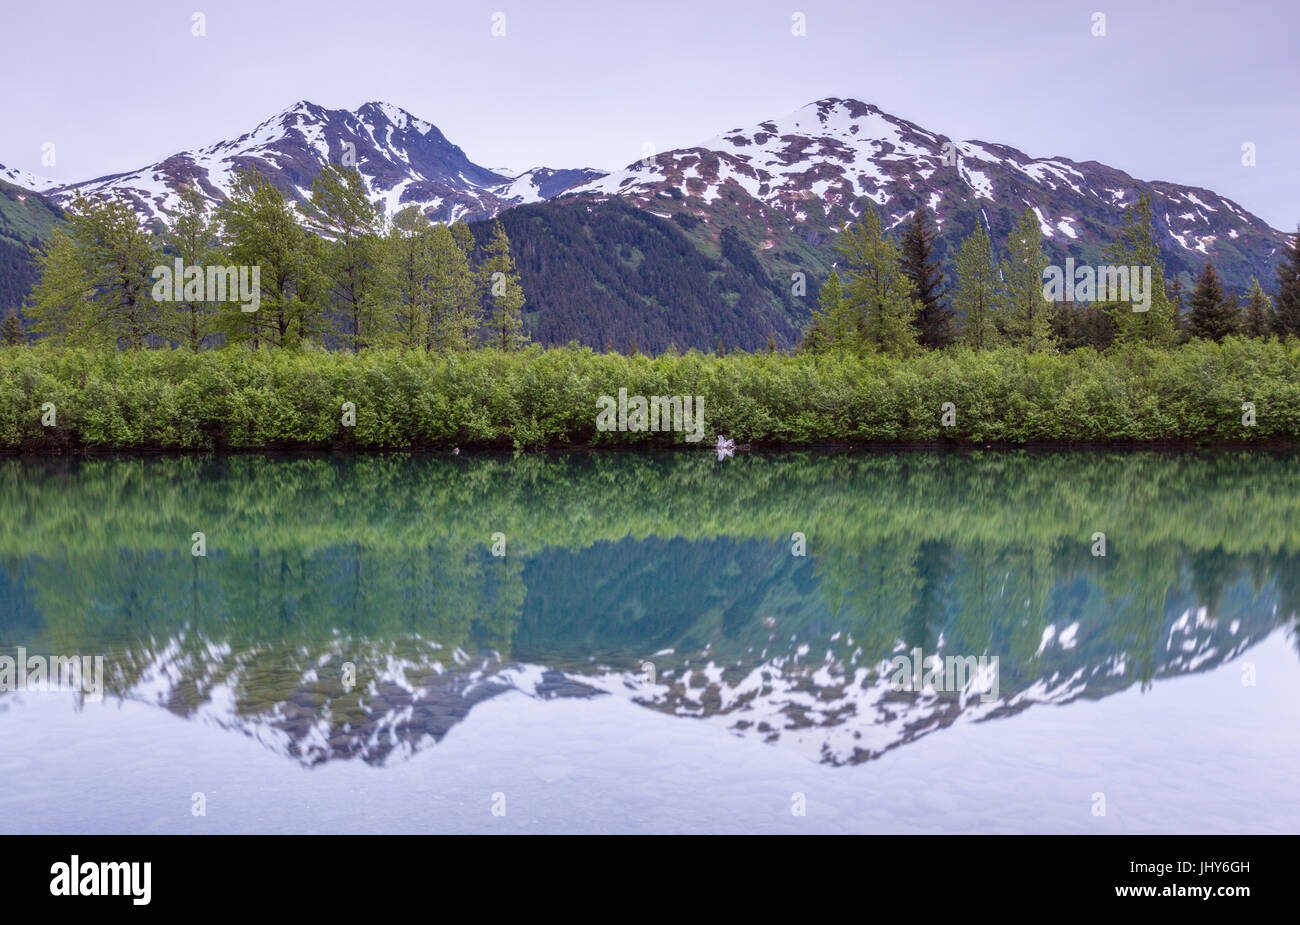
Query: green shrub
(241,398)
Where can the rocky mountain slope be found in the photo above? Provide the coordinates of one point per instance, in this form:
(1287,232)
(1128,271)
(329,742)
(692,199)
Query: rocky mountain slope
(404,160)
(807,173)
(26,219)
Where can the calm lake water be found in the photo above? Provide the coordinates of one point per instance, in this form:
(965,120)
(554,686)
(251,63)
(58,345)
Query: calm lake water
(651,652)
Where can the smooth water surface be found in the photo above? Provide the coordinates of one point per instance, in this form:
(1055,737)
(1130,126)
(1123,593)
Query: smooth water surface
(650,653)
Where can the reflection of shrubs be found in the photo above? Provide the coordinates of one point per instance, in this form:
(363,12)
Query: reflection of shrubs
(240,398)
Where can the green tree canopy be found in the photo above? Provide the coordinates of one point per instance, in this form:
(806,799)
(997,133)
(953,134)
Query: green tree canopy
(877,295)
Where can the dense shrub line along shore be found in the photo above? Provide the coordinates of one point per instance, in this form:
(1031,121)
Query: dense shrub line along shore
(259,399)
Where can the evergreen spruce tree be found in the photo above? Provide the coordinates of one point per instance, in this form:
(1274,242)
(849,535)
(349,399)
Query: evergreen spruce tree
(465,238)
(504,324)
(1136,247)
(455,315)
(1257,314)
(934,320)
(1097,326)
(1066,325)
(1287,319)
(977,296)
(1212,314)
(877,296)
(11,331)
(830,329)
(1026,314)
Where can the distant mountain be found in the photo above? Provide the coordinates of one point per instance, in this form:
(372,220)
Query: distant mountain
(611,274)
(724,241)
(808,172)
(26,219)
(25,180)
(404,160)
(733,236)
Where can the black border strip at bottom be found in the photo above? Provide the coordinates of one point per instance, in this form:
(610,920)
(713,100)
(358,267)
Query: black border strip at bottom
(332,873)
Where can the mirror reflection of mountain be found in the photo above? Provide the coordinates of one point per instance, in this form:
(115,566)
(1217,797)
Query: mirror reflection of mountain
(615,561)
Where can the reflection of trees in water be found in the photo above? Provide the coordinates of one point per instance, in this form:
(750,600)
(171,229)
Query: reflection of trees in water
(267,633)
(382,561)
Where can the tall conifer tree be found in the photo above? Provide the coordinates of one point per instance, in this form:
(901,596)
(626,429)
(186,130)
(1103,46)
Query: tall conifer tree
(340,211)
(503,292)
(192,236)
(1213,313)
(1257,314)
(1287,320)
(1136,247)
(1026,313)
(878,297)
(454,318)
(934,319)
(11,331)
(976,295)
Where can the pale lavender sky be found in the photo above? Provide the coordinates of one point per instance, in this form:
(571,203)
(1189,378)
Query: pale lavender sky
(1170,93)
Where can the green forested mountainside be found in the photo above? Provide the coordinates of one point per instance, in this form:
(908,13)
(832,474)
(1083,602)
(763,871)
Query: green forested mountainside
(26,219)
(605,273)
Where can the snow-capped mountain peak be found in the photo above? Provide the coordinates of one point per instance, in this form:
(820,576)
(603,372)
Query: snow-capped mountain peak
(27,180)
(813,169)
(805,173)
(404,160)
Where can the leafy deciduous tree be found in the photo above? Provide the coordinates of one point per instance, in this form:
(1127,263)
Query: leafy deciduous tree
(877,296)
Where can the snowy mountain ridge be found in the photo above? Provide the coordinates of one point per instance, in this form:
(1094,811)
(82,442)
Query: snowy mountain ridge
(795,178)
(404,160)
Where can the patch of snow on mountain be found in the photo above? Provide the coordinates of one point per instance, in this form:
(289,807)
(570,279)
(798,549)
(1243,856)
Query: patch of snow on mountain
(977,151)
(19,177)
(1043,223)
(522,189)
(978,181)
